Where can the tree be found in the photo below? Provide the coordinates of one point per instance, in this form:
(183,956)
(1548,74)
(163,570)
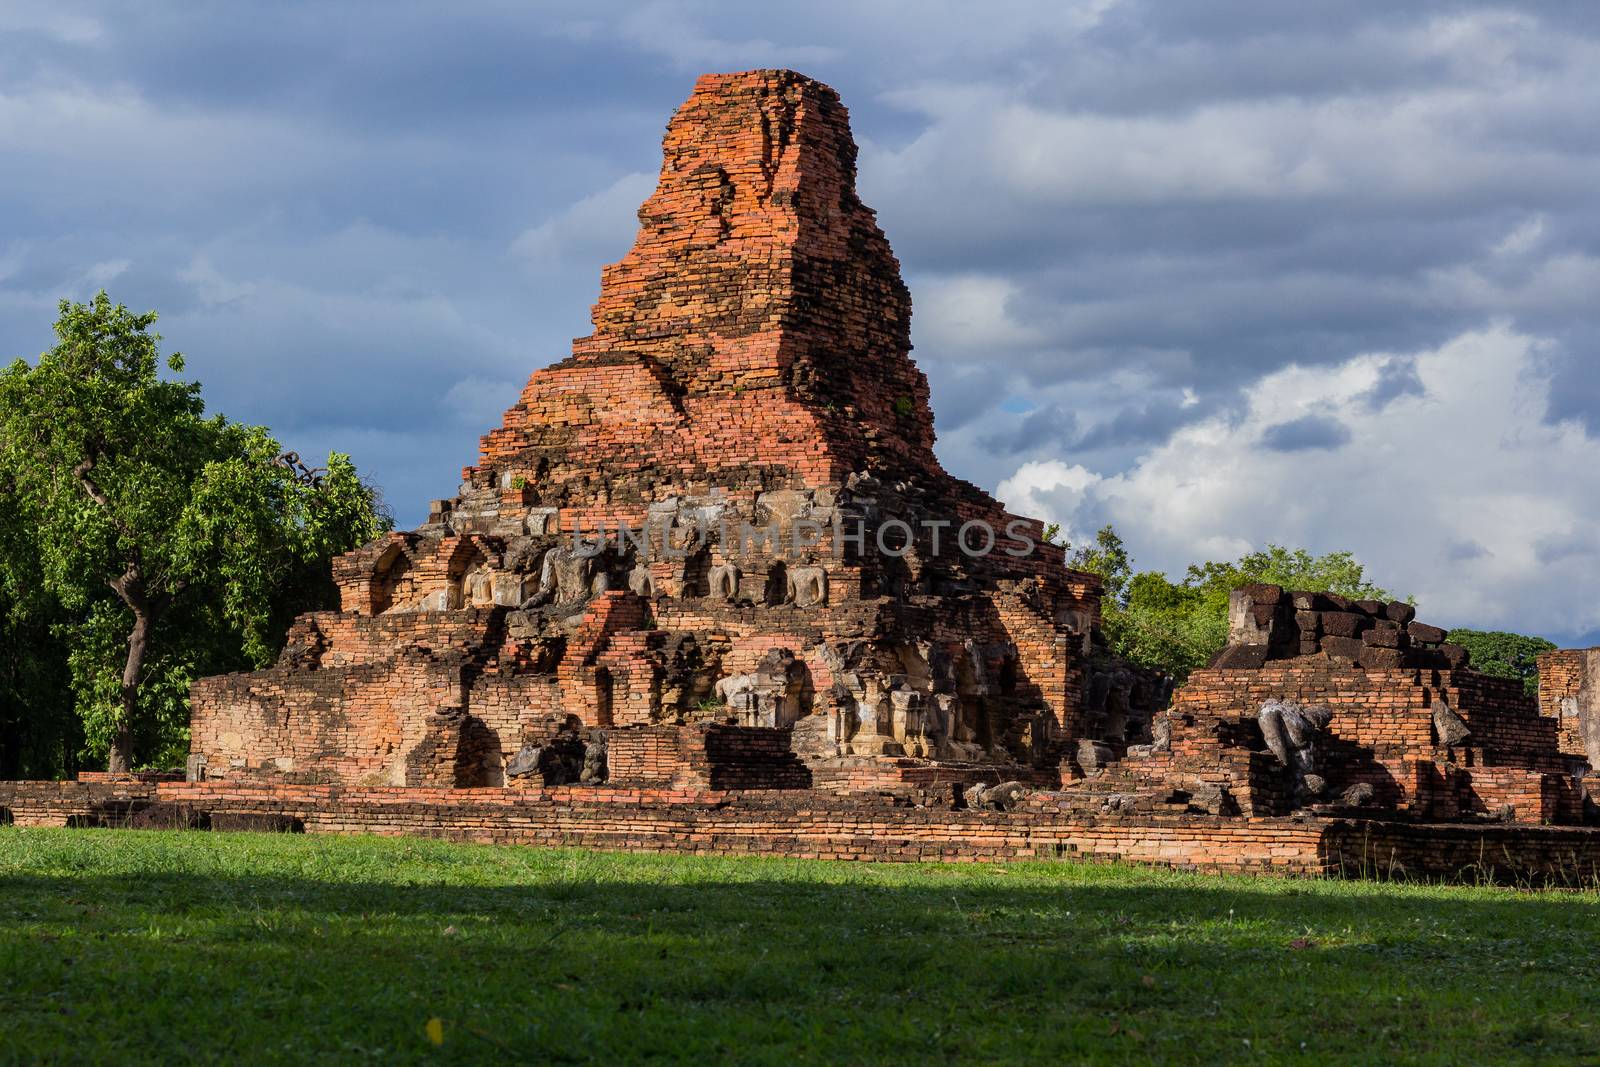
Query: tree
(1107,557)
(39,735)
(1337,572)
(174,541)
(1176,627)
(1505,655)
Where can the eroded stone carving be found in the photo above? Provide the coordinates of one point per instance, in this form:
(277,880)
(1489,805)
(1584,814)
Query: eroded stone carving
(572,756)
(1293,733)
(767,696)
(568,576)
(808,586)
(1449,727)
(1002,797)
(1094,755)
(641,582)
(724,581)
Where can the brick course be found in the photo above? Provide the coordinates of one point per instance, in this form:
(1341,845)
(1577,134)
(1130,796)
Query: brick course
(802,825)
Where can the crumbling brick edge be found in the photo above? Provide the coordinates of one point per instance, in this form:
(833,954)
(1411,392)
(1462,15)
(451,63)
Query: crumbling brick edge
(811,826)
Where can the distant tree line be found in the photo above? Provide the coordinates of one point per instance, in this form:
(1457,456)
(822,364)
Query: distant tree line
(1176,627)
(144,544)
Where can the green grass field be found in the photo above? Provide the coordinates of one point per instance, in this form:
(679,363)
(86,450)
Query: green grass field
(124,947)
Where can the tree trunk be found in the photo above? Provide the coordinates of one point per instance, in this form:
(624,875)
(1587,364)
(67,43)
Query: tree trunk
(121,761)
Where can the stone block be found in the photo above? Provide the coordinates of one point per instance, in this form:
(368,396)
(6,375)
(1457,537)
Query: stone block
(1241,658)
(1422,633)
(1344,623)
(1261,593)
(1384,637)
(1373,657)
(1342,648)
(1400,612)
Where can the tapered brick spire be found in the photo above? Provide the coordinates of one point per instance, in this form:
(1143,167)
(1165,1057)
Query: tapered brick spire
(757,335)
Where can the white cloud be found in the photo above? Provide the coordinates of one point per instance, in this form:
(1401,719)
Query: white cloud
(1415,146)
(1051,490)
(105,271)
(210,285)
(1522,239)
(1469,460)
(970,312)
(598,227)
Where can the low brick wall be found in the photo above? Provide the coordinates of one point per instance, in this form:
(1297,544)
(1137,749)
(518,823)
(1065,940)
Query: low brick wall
(716,756)
(1534,855)
(805,824)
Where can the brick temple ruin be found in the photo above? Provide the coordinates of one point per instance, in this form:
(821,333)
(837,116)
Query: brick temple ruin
(707,587)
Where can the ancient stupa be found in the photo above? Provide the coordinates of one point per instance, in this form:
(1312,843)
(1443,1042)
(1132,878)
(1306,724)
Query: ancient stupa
(749,371)
(707,588)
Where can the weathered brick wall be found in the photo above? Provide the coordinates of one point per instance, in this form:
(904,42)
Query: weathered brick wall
(365,709)
(715,756)
(1565,694)
(699,360)
(918,779)
(1520,795)
(1532,855)
(1382,728)
(804,825)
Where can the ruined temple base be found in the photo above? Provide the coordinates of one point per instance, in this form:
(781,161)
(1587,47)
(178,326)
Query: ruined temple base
(805,824)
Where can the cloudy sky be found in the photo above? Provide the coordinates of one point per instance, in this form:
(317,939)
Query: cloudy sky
(1223,274)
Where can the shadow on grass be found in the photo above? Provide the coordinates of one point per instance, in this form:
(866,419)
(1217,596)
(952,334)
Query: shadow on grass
(618,960)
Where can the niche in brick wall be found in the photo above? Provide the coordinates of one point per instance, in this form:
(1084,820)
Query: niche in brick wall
(604,692)
(697,573)
(777,589)
(387,573)
(479,761)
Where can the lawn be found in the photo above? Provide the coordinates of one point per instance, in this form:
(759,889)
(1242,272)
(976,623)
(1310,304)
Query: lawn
(125,947)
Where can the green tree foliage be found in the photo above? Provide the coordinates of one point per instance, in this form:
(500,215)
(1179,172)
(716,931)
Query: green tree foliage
(159,543)
(1505,655)
(38,730)
(1177,627)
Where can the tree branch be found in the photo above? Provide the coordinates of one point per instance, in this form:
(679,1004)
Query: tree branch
(81,472)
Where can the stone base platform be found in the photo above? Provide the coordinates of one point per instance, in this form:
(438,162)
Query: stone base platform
(806,824)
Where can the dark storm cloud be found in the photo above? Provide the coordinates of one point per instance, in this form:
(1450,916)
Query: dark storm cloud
(1396,378)
(1053,425)
(1305,434)
(367,222)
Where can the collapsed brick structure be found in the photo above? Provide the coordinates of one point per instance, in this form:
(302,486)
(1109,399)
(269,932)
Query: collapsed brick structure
(708,587)
(746,427)
(1401,725)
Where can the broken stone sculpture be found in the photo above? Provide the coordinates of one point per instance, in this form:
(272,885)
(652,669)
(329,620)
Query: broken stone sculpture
(724,581)
(767,696)
(1293,733)
(1003,797)
(1450,727)
(808,586)
(1359,795)
(1093,756)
